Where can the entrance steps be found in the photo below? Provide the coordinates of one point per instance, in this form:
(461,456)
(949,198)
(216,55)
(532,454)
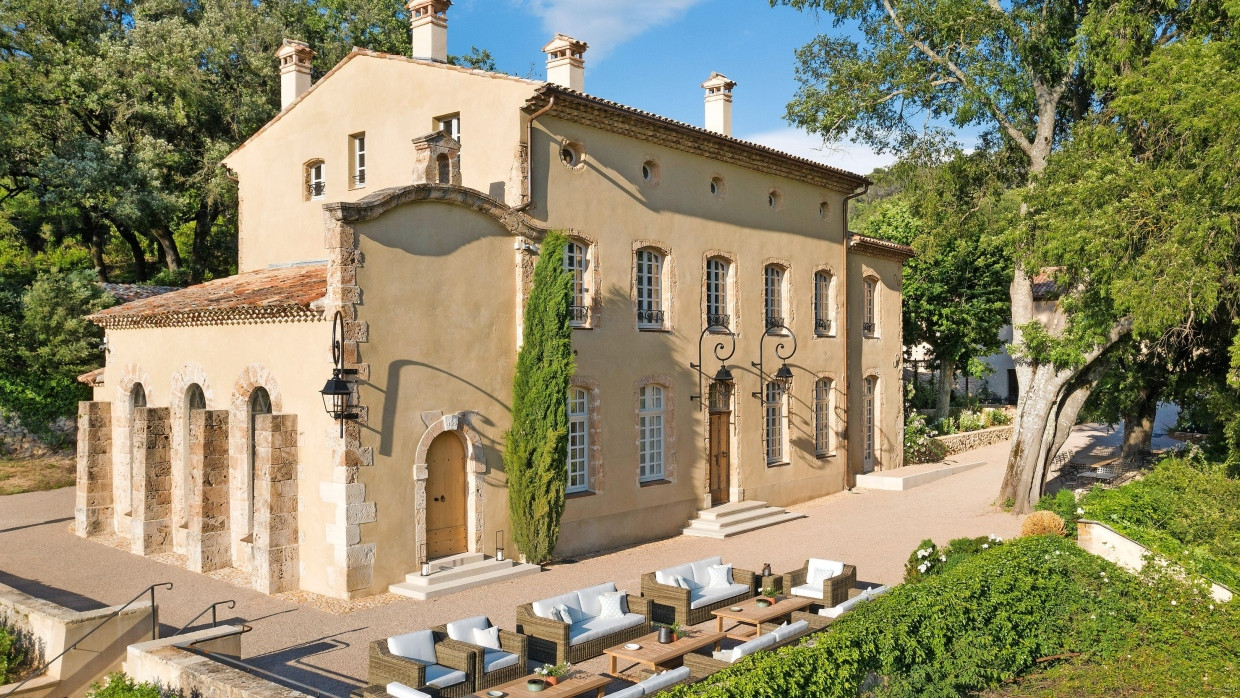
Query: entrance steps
(458,573)
(911,476)
(733,518)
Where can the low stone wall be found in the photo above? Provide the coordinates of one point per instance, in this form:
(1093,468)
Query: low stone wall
(18,442)
(1104,541)
(969,440)
(168,664)
(49,628)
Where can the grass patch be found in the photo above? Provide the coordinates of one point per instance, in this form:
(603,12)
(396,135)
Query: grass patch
(36,474)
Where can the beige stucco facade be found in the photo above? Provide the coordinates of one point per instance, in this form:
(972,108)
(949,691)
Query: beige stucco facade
(429,278)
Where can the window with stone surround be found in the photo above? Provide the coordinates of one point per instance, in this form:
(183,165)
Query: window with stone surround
(260,403)
(578,440)
(824,304)
(650,433)
(773,295)
(315,180)
(649,282)
(137,398)
(577,256)
(869,310)
(870,416)
(823,442)
(718,310)
(775,414)
(194,400)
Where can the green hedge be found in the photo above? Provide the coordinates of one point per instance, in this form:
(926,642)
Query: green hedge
(120,685)
(38,400)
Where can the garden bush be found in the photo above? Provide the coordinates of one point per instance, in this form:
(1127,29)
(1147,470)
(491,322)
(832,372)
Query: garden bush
(920,445)
(996,418)
(945,426)
(12,657)
(1043,523)
(928,559)
(121,685)
(1063,503)
(970,421)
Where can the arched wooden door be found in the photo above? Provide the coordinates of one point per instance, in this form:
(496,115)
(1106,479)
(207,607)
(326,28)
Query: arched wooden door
(445,496)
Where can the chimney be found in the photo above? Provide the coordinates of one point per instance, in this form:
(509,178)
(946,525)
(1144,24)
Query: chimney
(719,103)
(566,66)
(428,27)
(294,57)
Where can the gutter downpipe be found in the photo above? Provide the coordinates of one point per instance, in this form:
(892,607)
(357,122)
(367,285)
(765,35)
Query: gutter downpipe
(529,156)
(850,479)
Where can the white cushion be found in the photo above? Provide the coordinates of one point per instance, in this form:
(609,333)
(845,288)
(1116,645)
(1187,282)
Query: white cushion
(837,611)
(665,679)
(808,590)
(592,628)
(786,631)
(569,614)
(463,630)
(589,604)
(543,608)
(613,605)
(486,637)
(418,645)
(877,591)
(634,691)
(701,575)
(400,690)
(664,576)
(821,570)
(748,648)
(687,583)
(497,659)
(720,575)
(708,595)
(440,676)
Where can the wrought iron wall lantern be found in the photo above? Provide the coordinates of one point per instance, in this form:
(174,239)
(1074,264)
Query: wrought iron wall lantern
(723,375)
(499,545)
(338,392)
(783,375)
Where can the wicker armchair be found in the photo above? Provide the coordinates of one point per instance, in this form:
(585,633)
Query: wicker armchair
(386,667)
(511,642)
(548,639)
(672,603)
(701,666)
(834,590)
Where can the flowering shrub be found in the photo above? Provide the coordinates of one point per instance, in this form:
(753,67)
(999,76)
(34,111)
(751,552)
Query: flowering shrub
(929,560)
(919,443)
(996,418)
(1063,503)
(970,421)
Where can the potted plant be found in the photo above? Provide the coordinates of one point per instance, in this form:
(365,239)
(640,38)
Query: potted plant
(552,673)
(670,632)
(767,597)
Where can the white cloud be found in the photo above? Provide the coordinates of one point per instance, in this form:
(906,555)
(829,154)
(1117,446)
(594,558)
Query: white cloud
(605,24)
(853,157)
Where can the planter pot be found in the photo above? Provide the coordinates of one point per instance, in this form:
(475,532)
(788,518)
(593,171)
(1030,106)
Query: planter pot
(763,603)
(665,636)
(535,685)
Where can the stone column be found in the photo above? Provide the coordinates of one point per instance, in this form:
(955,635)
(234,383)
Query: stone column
(207,539)
(151,523)
(274,554)
(92,513)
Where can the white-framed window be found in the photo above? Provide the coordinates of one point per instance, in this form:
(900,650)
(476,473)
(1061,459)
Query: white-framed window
(776,418)
(649,289)
(316,181)
(822,416)
(773,295)
(823,306)
(358,147)
(650,433)
(870,421)
(578,440)
(450,123)
(869,312)
(717,293)
(576,262)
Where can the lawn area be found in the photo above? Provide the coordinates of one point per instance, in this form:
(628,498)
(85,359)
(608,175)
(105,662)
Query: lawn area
(35,474)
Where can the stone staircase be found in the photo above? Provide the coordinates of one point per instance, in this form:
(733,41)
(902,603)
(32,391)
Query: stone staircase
(733,518)
(458,573)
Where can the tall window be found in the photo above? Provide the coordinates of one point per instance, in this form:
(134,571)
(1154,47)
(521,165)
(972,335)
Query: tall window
(443,166)
(578,440)
(776,416)
(822,303)
(575,264)
(717,293)
(260,403)
(868,325)
(194,400)
(137,398)
(649,289)
(650,433)
(871,385)
(359,160)
(450,123)
(773,295)
(316,185)
(822,416)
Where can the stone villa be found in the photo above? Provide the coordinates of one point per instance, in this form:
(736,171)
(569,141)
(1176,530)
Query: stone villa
(410,196)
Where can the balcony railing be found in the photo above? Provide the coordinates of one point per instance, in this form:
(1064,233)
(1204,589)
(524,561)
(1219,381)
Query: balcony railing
(774,321)
(867,327)
(317,189)
(578,314)
(718,320)
(359,179)
(822,325)
(649,318)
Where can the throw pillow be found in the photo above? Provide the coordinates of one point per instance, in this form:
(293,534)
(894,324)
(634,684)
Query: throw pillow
(720,575)
(568,614)
(680,582)
(613,605)
(487,637)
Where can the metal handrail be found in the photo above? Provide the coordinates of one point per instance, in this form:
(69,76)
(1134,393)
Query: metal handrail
(154,632)
(250,668)
(231,604)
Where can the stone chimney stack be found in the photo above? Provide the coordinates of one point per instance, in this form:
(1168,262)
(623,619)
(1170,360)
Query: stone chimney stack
(294,57)
(719,103)
(428,26)
(566,65)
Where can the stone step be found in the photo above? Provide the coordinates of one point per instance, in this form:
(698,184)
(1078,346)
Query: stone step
(723,511)
(703,523)
(747,519)
(452,567)
(911,476)
(461,577)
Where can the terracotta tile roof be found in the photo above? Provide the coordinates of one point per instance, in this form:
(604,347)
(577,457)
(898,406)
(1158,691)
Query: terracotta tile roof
(92,378)
(132,292)
(1044,287)
(864,244)
(279,294)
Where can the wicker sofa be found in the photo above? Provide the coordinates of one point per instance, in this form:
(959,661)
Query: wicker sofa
(826,580)
(494,665)
(654,685)
(550,639)
(426,660)
(701,666)
(694,605)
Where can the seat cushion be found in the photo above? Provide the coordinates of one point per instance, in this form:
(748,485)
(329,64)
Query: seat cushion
(418,645)
(664,576)
(821,570)
(543,608)
(811,591)
(613,605)
(598,627)
(588,597)
(748,648)
(708,595)
(634,691)
(701,569)
(440,676)
(840,609)
(786,631)
(494,660)
(400,690)
(661,681)
(463,630)
(486,637)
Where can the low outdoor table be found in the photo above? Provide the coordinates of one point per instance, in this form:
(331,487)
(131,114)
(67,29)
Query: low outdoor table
(751,614)
(567,687)
(656,655)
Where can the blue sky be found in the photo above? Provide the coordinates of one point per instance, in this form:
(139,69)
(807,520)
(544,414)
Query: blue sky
(654,55)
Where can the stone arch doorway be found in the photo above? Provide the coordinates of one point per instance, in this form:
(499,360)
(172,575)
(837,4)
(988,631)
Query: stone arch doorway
(454,446)
(446,498)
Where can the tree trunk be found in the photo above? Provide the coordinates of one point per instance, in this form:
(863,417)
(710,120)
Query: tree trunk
(1069,410)
(947,374)
(204,220)
(135,248)
(96,241)
(1139,427)
(168,247)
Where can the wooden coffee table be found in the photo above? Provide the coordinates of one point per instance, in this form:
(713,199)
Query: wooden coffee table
(751,614)
(655,655)
(579,685)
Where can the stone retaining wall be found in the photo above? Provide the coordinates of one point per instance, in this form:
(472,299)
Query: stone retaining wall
(169,665)
(1105,542)
(969,440)
(17,441)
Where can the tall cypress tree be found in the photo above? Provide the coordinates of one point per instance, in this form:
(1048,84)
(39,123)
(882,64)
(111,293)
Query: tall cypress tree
(536,447)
